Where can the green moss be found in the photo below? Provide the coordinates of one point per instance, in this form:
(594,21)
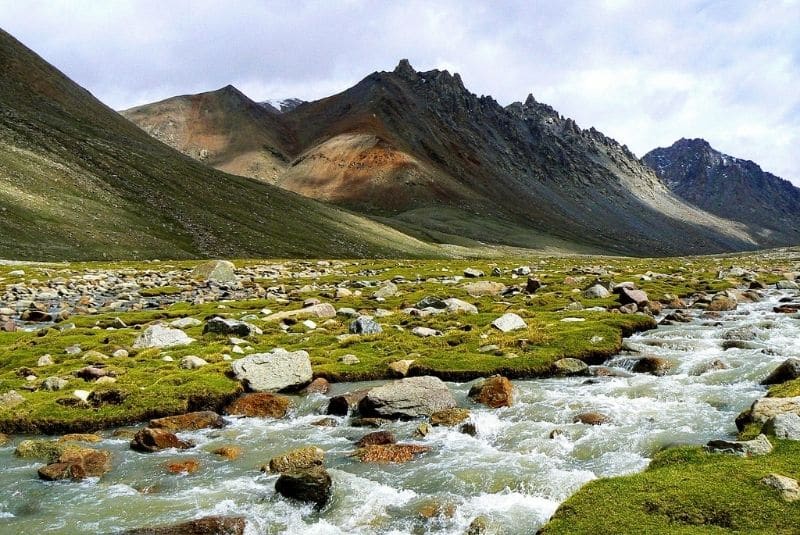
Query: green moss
(160,290)
(687,490)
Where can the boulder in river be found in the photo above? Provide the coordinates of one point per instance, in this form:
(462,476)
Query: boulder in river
(495,391)
(390,453)
(297,459)
(150,440)
(259,404)
(274,371)
(77,463)
(210,525)
(376,438)
(787,371)
(449,417)
(344,403)
(312,485)
(191,421)
(591,418)
(652,365)
(412,397)
(569,366)
(160,336)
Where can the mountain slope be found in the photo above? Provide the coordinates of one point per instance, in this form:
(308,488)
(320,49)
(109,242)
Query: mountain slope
(78,181)
(421,152)
(732,188)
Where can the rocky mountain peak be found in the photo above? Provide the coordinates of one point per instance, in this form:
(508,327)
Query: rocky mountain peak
(405,69)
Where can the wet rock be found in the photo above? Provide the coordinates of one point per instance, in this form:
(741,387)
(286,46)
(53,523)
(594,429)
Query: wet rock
(259,404)
(4,439)
(297,459)
(278,370)
(591,418)
(569,366)
(746,448)
(190,421)
(710,366)
(784,425)
(652,365)
(325,422)
(39,449)
(605,371)
(160,336)
(412,397)
(187,466)
(230,453)
(227,326)
(369,422)
(192,362)
(746,333)
(343,404)
(765,408)
(422,430)
(149,440)
(787,371)
(211,525)
(390,453)
(484,288)
(77,463)
(80,437)
(313,485)
(319,385)
(365,325)
(479,526)
(788,487)
(449,417)
(787,309)
(219,271)
(722,303)
(376,438)
(495,391)
(468,428)
(509,322)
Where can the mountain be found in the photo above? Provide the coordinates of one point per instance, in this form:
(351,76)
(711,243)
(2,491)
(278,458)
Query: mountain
(282,105)
(79,181)
(732,188)
(420,152)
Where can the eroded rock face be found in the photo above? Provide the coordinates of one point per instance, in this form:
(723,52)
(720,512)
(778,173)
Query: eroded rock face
(495,392)
(312,485)
(190,421)
(211,525)
(149,440)
(260,404)
(271,372)
(412,397)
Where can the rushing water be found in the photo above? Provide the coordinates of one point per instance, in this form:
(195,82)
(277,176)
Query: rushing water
(511,472)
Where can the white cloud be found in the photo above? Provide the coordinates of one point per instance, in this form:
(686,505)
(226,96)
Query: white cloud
(645,73)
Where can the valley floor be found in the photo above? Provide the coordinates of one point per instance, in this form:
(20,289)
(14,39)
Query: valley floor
(90,346)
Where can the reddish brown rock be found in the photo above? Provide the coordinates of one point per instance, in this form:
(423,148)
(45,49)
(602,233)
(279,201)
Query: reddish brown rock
(376,438)
(149,440)
(191,421)
(212,525)
(449,417)
(228,452)
(389,453)
(260,404)
(495,392)
(318,386)
(77,463)
(189,466)
(591,418)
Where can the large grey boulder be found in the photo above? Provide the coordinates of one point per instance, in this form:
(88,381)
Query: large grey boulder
(509,322)
(598,291)
(764,409)
(785,425)
(788,370)
(457,306)
(277,370)
(412,397)
(161,336)
(220,271)
(365,325)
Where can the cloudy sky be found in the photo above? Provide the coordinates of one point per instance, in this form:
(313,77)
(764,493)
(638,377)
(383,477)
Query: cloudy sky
(645,73)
